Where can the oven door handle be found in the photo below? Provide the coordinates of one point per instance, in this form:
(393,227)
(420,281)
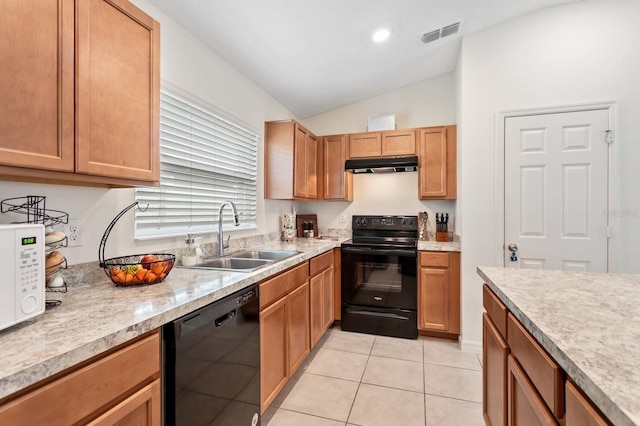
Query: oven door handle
(379,252)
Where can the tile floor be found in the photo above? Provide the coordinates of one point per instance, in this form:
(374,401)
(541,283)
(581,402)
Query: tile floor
(366,380)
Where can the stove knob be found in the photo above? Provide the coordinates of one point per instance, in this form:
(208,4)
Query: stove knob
(364,221)
(404,221)
(357,222)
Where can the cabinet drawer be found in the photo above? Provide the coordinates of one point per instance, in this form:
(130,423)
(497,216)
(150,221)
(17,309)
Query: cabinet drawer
(280,285)
(580,411)
(91,389)
(496,310)
(320,263)
(543,372)
(432,258)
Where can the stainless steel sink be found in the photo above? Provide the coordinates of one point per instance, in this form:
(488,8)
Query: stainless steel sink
(265,254)
(233,264)
(245,261)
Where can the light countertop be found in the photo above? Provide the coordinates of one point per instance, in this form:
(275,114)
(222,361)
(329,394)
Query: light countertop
(439,246)
(589,323)
(98,316)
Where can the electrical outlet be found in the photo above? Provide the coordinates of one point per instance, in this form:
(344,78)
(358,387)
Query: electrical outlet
(74,231)
(342,218)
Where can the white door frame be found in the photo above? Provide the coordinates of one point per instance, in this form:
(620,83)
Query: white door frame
(613,208)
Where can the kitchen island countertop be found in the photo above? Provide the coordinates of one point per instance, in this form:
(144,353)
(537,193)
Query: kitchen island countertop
(95,317)
(588,322)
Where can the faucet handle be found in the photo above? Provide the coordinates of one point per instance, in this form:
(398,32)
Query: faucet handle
(226,245)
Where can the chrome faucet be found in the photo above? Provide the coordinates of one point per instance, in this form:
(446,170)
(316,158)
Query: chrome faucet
(236,222)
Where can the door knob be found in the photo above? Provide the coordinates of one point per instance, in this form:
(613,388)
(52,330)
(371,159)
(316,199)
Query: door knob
(513,247)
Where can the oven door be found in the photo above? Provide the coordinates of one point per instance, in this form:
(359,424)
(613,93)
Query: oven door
(379,277)
(379,291)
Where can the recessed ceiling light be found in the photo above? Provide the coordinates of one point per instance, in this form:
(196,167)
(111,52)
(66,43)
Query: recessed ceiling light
(381,35)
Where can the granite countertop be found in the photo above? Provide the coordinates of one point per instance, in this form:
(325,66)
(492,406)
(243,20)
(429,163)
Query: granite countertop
(439,246)
(589,323)
(97,316)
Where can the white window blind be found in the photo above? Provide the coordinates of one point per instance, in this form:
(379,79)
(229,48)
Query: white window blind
(204,160)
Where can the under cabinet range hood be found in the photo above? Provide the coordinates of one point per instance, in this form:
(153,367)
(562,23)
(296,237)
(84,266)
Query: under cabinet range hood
(382,165)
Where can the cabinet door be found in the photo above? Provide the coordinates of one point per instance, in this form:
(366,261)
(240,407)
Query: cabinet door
(36,88)
(433,163)
(311,165)
(140,409)
(364,145)
(118,87)
(301,157)
(316,289)
(273,351)
(525,406)
(338,184)
(298,326)
(434,299)
(327,299)
(89,390)
(398,143)
(494,374)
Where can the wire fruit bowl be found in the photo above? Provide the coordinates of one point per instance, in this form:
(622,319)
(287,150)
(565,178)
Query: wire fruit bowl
(139,268)
(136,269)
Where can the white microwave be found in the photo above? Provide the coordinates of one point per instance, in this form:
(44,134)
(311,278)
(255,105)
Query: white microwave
(22,286)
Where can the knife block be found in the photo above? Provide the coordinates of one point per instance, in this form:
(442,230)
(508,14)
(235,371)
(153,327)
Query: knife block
(442,236)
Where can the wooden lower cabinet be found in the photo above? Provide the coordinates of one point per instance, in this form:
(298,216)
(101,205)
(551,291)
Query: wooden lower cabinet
(321,304)
(121,387)
(439,292)
(298,326)
(284,329)
(321,272)
(273,352)
(526,408)
(521,383)
(140,409)
(579,410)
(494,374)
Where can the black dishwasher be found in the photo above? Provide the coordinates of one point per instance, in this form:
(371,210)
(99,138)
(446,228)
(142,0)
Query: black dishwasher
(211,372)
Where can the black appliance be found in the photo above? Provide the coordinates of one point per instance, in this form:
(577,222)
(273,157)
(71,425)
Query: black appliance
(382,165)
(379,276)
(212,364)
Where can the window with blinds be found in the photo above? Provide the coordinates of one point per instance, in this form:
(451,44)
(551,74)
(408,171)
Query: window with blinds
(205,159)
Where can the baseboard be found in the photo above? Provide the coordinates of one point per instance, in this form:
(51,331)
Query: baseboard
(470,346)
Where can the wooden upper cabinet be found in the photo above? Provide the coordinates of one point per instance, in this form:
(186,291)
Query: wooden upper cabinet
(290,161)
(392,143)
(36,88)
(104,56)
(437,163)
(338,183)
(399,143)
(364,145)
(117,111)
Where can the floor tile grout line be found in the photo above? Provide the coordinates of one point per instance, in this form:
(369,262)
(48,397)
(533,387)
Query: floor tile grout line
(311,415)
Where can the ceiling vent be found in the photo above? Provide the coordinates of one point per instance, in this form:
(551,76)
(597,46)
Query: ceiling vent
(450,30)
(432,36)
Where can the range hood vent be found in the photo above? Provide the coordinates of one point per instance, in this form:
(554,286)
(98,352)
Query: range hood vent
(383,165)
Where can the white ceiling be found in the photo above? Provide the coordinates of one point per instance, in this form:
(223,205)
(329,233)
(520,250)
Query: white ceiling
(313,56)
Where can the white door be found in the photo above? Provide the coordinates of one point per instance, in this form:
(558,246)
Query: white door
(556,191)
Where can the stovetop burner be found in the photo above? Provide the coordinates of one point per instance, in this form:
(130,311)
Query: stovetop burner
(384,231)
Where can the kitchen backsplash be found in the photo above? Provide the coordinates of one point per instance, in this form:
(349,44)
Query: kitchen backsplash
(90,272)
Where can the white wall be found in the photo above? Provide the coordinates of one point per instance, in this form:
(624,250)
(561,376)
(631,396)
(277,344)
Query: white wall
(191,66)
(583,52)
(427,103)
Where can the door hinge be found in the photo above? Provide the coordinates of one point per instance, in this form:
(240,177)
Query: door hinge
(608,231)
(609,136)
